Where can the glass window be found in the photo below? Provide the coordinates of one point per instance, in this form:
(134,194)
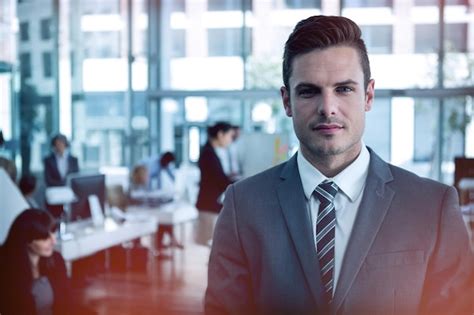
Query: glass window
(456,37)
(427,39)
(45,27)
(101,44)
(178,45)
(225,109)
(414,139)
(178,5)
(426,130)
(378,38)
(225,42)
(73,63)
(100,7)
(300,4)
(367,3)
(25,65)
(436,2)
(100,117)
(24,31)
(222,5)
(377,128)
(47,65)
(458,115)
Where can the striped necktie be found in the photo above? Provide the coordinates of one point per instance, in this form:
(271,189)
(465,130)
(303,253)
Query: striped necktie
(325,234)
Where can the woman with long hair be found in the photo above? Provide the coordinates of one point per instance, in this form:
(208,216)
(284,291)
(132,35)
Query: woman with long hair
(33,276)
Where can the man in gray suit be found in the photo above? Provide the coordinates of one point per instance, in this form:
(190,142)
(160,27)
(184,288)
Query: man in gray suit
(336,230)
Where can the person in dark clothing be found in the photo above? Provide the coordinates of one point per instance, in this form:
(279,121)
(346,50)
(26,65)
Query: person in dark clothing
(57,166)
(213,182)
(33,276)
(60,163)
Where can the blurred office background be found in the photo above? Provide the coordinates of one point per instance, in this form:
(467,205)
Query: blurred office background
(125,79)
(129,79)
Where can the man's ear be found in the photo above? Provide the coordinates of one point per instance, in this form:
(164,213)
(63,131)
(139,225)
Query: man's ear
(369,95)
(285,97)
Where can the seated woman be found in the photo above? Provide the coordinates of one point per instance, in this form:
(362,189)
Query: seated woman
(139,188)
(33,276)
(166,178)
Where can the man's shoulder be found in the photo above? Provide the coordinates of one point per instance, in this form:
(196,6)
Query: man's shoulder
(401,174)
(415,186)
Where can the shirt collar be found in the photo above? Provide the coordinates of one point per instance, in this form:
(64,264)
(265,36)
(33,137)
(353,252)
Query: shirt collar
(351,180)
(59,157)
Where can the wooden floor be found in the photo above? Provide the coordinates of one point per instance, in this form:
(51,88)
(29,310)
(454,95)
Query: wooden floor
(165,286)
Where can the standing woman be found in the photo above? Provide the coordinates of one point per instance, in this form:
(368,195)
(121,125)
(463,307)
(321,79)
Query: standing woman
(214,181)
(33,276)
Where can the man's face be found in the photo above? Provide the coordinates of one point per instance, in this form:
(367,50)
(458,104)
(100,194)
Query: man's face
(59,146)
(327,101)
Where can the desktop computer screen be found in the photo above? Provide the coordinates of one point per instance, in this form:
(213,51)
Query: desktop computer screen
(83,187)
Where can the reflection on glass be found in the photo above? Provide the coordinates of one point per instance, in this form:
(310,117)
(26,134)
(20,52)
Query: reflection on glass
(367,3)
(377,127)
(457,118)
(194,144)
(414,135)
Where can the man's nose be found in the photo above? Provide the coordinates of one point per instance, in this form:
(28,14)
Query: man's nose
(327,104)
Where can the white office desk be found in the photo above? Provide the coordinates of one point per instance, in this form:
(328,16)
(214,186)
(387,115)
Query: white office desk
(173,213)
(89,240)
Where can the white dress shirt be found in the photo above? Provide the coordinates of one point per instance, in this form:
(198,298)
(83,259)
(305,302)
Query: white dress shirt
(224,155)
(62,163)
(351,183)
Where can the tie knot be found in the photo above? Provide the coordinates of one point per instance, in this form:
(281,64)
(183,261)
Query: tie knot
(326,191)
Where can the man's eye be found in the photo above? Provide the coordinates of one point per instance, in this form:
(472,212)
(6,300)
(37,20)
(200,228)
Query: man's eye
(306,93)
(344,89)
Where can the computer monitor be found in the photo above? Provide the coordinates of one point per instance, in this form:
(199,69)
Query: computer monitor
(85,185)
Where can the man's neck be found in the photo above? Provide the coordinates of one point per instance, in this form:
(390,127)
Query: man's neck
(331,165)
(60,154)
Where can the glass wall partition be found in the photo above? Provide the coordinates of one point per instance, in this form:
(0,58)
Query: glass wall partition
(147,76)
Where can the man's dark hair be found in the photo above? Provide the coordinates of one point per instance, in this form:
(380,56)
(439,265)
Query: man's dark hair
(59,137)
(320,32)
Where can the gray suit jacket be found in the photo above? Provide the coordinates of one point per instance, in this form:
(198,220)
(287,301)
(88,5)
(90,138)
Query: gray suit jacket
(408,252)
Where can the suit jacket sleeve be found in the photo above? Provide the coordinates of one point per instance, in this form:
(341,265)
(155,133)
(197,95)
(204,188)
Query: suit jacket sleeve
(229,286)
(449,283)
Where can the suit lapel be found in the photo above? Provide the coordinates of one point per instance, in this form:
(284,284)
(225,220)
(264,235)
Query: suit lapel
(54,166)
(292,201)
(372,210)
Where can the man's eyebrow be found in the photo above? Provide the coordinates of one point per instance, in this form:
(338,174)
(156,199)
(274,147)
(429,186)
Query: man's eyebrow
(306,85)
(346,82)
